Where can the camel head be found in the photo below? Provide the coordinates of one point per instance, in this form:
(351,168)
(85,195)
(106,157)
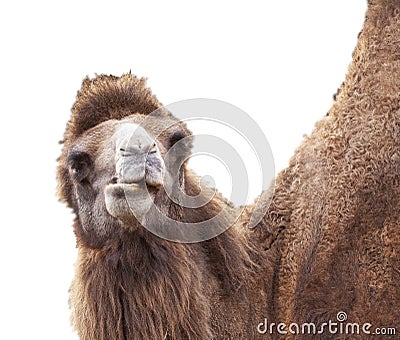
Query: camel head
(121,152)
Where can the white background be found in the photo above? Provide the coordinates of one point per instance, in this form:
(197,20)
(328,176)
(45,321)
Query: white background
(280,61)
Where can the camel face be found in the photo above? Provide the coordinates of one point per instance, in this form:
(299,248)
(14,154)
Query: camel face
(139,172)
(119,172)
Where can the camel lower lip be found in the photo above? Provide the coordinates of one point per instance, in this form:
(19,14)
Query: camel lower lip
(130,185)
(134,186)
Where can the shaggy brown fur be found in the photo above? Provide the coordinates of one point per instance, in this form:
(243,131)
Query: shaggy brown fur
(129,283)
(332,232)
(328,243)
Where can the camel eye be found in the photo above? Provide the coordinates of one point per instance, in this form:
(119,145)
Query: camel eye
(176,137)
(80,165)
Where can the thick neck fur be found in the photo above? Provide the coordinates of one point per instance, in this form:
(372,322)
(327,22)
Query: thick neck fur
(139,286)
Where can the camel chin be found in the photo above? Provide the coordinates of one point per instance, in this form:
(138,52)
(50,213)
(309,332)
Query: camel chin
(129,202)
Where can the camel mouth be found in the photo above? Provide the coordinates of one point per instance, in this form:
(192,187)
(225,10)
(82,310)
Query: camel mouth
(129,202)
(122,187)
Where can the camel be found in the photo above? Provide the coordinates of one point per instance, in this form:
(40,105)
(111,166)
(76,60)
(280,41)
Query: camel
(328,242)
(130,283)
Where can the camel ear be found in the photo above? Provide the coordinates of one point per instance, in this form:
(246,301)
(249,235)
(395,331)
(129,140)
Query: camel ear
(176,136)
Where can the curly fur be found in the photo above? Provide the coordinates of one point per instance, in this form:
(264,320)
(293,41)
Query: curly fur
(332,231)
(328,243)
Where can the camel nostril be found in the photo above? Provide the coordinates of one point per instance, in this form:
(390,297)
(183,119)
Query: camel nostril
(153,149)
(114,180)
(122,149)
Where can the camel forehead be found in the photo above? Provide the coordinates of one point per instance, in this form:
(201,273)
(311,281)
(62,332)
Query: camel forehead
(99,137)
(127,129)
(102,132)
(130,125)
(128,135)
